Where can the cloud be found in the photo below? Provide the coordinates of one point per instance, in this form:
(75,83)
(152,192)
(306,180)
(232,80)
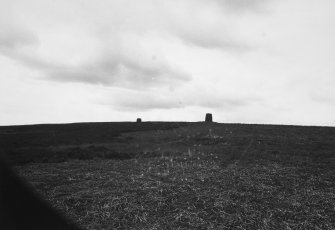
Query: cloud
(160,55)
(240,5)
(13,37)
(121,71)
(122,64)
(212,24)
(147,103)
(111,48)
(206,38)
(118,71)
(118,57)
(172,99)
(144,103)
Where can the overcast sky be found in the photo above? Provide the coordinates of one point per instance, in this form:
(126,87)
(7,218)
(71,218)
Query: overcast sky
(245,61)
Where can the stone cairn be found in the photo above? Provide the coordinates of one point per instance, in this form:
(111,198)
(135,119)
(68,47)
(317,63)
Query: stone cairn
(209,117)
(138,120)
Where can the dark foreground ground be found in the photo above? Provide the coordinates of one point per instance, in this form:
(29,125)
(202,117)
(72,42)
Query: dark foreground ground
(180,175)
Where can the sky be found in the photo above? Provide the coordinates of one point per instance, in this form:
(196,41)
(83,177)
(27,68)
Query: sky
(244,61)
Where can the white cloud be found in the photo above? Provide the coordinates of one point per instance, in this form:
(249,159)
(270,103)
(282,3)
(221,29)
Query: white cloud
(249,61)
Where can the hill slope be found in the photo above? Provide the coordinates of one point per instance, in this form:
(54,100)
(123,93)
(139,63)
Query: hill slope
(181,175)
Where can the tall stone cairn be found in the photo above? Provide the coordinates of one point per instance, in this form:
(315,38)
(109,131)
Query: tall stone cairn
(209,117)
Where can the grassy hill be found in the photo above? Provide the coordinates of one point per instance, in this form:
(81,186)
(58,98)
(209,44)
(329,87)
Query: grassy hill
(61,142)
(166,175)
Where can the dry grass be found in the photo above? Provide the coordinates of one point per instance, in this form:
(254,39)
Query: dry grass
(187,192)
(201,177)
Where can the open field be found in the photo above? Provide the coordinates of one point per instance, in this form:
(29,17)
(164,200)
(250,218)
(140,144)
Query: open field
(168,175)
